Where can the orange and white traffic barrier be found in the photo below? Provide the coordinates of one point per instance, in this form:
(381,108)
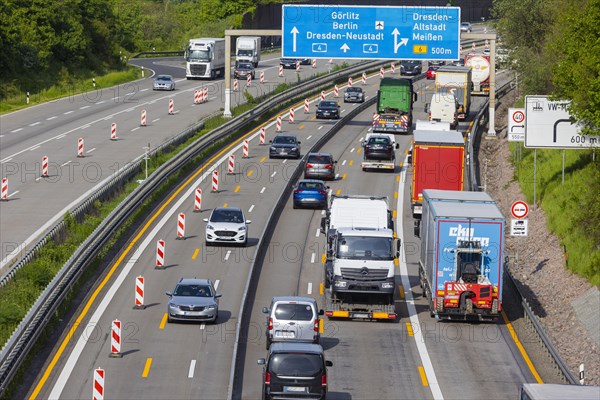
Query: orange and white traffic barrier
(392,68)
(331,61)
(80,147)
(45,166)
(314,63)
(245,149)
(262,77)
(291,116)
(278,124)
(375,119)
(364,78)
(198,200)
(215,181)
(181,226)
(235,85)
(248,80)
(349,81)
(322,95)
(281,70)
(306,106)
(139,293)
(336,91)
(160,253)
(261,140)
(143,118)
(381,72)
(205,95)
(297,66)
(113,131)
(115,339)
(230,165)
(4,189)
(459,48)
(171,107)
(98,389)
(197,96)
(473,46)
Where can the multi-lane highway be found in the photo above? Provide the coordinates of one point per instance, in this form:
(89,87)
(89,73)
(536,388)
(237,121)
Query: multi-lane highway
(371,360)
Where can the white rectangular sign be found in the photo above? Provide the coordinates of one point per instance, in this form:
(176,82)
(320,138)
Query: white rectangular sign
(516,125)
(518,227)
(548,124)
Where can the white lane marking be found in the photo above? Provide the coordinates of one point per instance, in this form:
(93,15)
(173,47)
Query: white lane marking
(38,178)
(337,176)
(68,112)
(51,118)
(436,392)
(320,127)
(322,212)
(107,118)
(61,136)
(35,123)
(352,150)
(344,110)
(360,140)
(369,130)
(330,191)
(90,150)
(227,255)
(135,129)
(202,326)
(192,368)
(16,130)
(143,90)
(217,283)
(84,107)
(251,208)
(101,102)
(34,148)
(309,136)
(85,126)
(263,190)
(13,193)
(8,160)
(284,161)
(318,232)
(312,258)
(67,163)
(309,289)
(154,120)
(130,109)
(273,174)
(344,162)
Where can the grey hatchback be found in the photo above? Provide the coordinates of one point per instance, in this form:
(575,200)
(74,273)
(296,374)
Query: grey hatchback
(193,299)
(320,166)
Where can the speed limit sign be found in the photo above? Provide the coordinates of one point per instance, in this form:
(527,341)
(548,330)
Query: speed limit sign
(516,125)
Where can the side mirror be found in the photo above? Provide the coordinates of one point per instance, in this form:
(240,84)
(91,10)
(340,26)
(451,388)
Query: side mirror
(169,294)
(270,141)
(205,219)
(321,312)
(397,146)
(265,310)
(335,162)
(415,97)
(299,142)
(260,361)
(398,244)
(248,221)
(329,363)
(426,108)
(323,224)
(217,295)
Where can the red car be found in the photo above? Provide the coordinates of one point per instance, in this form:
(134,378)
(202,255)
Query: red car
(431,71)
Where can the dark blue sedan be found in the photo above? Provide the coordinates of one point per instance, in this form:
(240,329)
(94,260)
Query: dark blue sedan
(310,193)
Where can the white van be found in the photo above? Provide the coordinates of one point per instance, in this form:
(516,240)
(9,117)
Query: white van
(443,108)
(292,318)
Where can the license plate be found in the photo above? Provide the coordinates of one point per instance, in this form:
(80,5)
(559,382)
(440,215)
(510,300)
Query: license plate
(295,389)
(360,315)
(285,334)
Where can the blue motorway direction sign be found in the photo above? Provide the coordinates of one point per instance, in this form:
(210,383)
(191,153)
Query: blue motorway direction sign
(365,32)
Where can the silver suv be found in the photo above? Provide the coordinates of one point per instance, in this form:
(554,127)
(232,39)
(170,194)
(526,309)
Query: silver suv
(227,225)
(292,319)
(193,299)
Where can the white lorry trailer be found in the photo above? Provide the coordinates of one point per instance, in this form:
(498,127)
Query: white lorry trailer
(205,58)
(360,258)
(247,49)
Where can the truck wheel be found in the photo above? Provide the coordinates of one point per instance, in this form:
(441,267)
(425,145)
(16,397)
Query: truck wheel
(212,75)
(469,306)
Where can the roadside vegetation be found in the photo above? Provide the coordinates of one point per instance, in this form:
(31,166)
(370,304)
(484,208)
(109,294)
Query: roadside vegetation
(554,46)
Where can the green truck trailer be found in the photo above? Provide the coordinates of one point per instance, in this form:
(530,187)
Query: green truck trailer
(394,106)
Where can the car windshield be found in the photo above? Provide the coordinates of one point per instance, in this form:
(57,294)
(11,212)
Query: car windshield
(466,24)
(284,140)
(163,78)
(287,60)
(193,291)
(328,104)
(295,312)
(296,364)
(379,140)
(365,248)
(434,67)
(311,185)
(244,66)
(243,52)
(227,216)
(319,159)
(410,63)
(354,90)
(198,55)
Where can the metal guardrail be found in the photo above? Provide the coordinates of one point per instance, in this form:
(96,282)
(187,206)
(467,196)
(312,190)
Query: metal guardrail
(562,370)
(24,336)
(159,53)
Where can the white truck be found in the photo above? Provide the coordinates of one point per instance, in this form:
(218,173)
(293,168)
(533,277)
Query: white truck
(360,258)
(432,126)
(247,49)
(205,58)
(379,152)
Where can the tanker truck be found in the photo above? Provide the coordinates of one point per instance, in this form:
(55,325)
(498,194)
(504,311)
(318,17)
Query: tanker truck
(480,73)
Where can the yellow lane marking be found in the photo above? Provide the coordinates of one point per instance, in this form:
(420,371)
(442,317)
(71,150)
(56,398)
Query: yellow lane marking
(423,376)
(237,189)
(401,292)
(250,172)
(359,150)
(409,329)
(321,288)
(344,176)
(301,127)
(195,254)
(338,191)
(132,244)
(394,213)
(395,195)
(163,321)
(402,164)
(321,325)
(263,159)
(515,338)
(225,205)
(405,151)
(147,367)
(397,178)
(323,258)
(351,162)
(313,118)
(396,263)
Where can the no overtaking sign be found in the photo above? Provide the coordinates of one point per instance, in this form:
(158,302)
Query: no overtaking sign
(519,209)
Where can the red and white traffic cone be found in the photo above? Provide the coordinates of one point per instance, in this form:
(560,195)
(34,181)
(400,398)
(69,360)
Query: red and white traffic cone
(80,147)
(349,81)
(235,85)
(297,66)
(262,136)
(306,106)
(245,149)
(98,388)
(381,72)
(278,124)
(262,76)
(392,68)
(248,80)
(44,167)
(181,226)
(143,118)
(115,339)
(198,200)
(113,131)
(291,116)
(215,181)
(281,70)
(197,96)
(139,293)
(314,63)
(160,253)
(336,91)
(4,189)
(230,165)
(204,94)
(364,78)
(322,95)
(171,107)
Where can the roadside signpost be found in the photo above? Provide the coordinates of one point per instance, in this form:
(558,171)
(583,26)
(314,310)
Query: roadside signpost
(371,32)
(519,209)
(519,225)
(516,125)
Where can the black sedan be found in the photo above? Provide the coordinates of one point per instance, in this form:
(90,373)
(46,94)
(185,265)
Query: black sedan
(328,109)
(288,62)
(242,70)
(410,67)
(284,146)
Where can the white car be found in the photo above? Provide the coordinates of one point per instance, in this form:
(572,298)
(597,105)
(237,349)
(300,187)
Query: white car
(227,225)
(465,27)
(164,82)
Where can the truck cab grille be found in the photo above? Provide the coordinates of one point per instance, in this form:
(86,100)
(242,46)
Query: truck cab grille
(364,274)
(198,69)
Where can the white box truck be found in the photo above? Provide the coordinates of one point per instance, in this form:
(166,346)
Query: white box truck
(443,108)
(247,49)
(205,58)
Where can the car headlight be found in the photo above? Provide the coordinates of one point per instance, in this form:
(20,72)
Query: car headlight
(273,148)
(387,285)
(294,148)
(340,284)
(210,227)
(212,307)
(242,228)
(173,305)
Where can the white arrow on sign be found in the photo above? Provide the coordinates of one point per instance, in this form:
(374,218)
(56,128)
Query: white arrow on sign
(345,47)
(403,41)
(294,32)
